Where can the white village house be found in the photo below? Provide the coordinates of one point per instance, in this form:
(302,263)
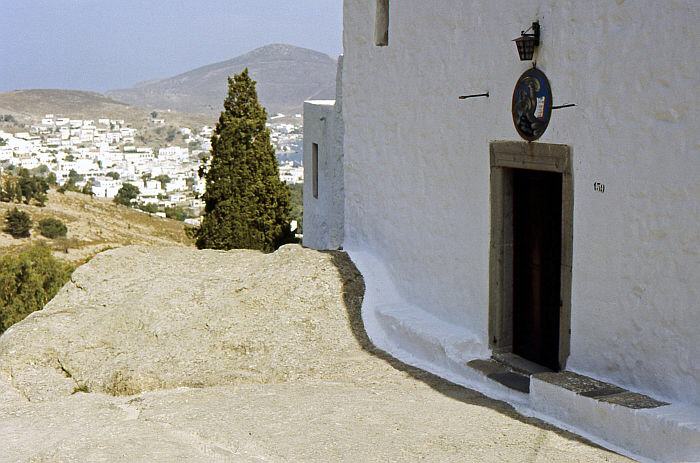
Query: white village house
(560,274)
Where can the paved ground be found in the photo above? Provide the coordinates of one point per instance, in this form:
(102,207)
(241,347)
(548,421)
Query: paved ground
(305,383)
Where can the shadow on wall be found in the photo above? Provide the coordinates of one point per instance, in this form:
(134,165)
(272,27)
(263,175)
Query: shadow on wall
(353,295)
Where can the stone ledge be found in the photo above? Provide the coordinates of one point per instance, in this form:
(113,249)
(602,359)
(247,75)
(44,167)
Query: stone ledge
(643,427)
(599,390)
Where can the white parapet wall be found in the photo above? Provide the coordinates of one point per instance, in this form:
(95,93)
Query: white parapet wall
(323,176)
(323,173)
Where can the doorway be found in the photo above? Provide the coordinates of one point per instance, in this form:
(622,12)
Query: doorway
(536,265)
(531,248)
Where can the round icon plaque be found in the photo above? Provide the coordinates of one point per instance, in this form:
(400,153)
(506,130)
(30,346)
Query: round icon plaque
(532,104)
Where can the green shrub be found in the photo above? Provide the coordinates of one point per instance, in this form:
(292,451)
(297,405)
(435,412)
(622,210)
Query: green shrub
(126,193)
(28,281)
(87,189)
(18,223)
(52,228)
(176,213)
(71,183)
(10,190)
(150,208)
(51,179)
(164,180)
(24,188)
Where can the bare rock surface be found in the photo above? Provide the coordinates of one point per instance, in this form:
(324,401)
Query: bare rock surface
(171,354)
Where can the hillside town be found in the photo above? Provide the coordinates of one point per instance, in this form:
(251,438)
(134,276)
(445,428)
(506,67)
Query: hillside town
(105,154)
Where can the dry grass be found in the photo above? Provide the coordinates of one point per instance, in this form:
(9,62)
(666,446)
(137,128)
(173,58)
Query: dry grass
(94,225)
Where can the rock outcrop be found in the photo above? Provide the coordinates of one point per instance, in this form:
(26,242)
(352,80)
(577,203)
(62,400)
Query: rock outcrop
(173,354)
(141,319)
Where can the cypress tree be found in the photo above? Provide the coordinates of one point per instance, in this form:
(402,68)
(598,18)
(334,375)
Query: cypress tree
(246,203)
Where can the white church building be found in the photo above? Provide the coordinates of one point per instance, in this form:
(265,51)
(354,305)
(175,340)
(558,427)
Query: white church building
(528,226)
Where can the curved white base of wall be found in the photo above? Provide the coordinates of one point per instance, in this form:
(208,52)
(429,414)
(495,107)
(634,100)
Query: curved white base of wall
(412,335)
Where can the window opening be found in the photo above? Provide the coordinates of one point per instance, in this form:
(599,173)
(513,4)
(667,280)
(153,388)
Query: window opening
(381,25)
(314,168)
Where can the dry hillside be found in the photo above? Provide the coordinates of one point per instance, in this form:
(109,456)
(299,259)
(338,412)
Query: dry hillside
(95,225)
(28,106)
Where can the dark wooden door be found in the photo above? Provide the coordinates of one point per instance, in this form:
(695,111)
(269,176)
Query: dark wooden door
(537,216)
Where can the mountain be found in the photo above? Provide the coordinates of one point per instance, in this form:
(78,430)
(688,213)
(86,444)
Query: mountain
(286,76)
(28,106)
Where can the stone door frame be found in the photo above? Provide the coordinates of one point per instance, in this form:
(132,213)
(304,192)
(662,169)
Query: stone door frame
(506,156)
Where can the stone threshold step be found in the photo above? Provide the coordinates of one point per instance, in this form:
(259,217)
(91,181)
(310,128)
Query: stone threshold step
(502,374)
(515,373)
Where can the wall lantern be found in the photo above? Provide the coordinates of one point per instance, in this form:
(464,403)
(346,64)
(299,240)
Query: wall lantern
(527,43)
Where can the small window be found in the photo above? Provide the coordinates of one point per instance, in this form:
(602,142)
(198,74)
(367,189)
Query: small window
(314,168)
(381,24)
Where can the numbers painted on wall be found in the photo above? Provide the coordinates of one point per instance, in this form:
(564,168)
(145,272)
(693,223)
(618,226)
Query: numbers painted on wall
(599,187)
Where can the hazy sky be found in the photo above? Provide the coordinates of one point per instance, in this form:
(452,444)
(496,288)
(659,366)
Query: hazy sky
(108,44)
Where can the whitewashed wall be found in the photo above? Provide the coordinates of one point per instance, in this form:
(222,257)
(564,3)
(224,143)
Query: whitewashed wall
(417,166)
(323,216)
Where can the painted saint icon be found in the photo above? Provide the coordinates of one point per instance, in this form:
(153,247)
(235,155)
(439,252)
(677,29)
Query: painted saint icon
(532,104)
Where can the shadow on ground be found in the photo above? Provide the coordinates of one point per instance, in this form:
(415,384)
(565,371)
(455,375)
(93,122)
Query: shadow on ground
(353,295)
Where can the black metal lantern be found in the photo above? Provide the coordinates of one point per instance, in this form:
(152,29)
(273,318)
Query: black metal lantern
(527,43)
